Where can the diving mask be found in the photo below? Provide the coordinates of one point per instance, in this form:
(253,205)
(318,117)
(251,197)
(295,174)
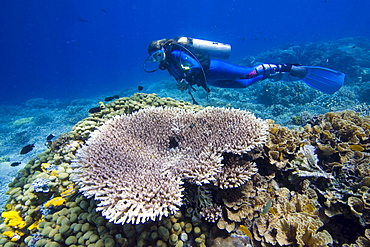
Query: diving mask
(157,56)
(152,63)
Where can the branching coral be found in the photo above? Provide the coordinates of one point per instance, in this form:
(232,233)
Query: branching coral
(211,213)
(235,173)
(134,164)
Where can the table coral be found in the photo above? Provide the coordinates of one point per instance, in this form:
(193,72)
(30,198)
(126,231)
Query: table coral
(134,164)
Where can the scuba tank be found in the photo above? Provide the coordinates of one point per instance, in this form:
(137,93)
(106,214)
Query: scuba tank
(214,49)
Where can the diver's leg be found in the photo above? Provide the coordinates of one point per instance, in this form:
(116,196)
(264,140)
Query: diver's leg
(221,70)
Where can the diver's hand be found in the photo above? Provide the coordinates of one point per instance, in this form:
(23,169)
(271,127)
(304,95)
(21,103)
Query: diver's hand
(182,85)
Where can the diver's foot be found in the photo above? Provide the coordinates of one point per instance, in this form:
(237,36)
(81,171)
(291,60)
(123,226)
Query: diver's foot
(298,71)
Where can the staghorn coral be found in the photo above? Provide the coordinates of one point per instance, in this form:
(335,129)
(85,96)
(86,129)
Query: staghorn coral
(134,164)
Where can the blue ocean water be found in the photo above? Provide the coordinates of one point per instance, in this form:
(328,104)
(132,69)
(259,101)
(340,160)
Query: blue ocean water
(72,49)
(58,59)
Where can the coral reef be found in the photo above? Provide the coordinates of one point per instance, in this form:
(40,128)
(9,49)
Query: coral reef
(308,186)
(158,148)
(61,217)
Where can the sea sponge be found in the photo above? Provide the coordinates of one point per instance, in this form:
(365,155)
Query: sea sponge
(134,164)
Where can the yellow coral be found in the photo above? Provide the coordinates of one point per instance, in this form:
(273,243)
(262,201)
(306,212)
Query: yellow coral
(54,173)
(35,224)
(13,219)
(45,166)
(14,236)
(70,191)
(55,202)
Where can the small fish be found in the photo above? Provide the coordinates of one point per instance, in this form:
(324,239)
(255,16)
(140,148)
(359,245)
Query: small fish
(82,20)
(27,148)
(95,109)
(48,143)
(140,88)
(104,10)
(266,209)
(15,163)
(273,211)
(310,208)
(49,137)
(246,231)
(356,147)
(111,98)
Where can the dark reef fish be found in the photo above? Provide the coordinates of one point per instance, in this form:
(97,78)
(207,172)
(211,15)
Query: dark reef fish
(15,163)
(140,88)
(49,137)
(95,109)
(111,97)
(27,148)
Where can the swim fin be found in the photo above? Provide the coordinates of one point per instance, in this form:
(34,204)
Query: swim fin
(324,79)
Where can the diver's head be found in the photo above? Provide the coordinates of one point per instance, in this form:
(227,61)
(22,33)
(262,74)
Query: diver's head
(157,56)
(157,45)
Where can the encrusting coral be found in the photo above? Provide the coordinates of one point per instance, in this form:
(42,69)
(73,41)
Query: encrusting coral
(158,148)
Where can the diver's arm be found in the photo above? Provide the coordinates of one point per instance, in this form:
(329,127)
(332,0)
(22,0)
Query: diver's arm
(190,66)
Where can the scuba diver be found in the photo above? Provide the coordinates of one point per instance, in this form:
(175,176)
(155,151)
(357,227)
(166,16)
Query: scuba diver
(194,62)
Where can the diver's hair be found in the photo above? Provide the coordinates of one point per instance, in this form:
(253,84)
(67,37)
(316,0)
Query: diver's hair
(158,44)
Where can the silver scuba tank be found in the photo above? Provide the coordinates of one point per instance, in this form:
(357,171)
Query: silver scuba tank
(214,49)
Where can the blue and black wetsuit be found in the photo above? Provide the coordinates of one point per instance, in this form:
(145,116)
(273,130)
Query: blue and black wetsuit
(220,73)
(192,65)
